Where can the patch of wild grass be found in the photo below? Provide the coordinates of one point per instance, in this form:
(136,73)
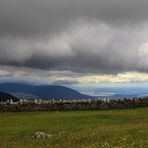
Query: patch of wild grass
(90,129)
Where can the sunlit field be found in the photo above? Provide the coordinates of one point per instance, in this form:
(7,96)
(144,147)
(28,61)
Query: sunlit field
(73,129)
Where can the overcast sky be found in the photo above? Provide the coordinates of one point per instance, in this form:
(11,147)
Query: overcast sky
(74,42)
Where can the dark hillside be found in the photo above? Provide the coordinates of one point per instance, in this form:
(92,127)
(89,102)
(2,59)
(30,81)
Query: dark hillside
(43,91)
(5,96)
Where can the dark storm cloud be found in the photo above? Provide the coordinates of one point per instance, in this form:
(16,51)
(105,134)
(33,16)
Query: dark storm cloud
(29,17)
(97,36)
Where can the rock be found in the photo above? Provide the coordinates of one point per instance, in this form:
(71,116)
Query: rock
(41,135)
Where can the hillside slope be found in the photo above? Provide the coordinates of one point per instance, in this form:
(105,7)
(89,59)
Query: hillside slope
(43,91)
(5,96)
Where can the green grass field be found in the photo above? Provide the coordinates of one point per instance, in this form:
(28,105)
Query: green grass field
(91,129)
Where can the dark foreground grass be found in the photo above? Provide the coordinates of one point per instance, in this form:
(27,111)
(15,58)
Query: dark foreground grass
(103,129)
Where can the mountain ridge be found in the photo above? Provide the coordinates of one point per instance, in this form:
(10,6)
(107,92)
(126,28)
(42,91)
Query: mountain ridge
(44,91)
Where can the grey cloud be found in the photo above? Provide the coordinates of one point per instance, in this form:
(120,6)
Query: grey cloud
(90,48)
(31,17)
(83,36)
(37,76)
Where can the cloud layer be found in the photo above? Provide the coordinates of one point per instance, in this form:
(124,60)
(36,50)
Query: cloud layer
(81,36)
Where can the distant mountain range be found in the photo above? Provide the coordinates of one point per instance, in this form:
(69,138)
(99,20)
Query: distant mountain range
(42,91)
(28,91)
(116,96)
(120,92)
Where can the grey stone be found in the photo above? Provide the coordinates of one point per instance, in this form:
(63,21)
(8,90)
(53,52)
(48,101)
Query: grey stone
(41,135)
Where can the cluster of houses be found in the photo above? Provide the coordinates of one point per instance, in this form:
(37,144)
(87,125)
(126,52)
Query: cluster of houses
(84,104)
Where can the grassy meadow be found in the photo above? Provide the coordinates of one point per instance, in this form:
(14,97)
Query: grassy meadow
(127,128)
